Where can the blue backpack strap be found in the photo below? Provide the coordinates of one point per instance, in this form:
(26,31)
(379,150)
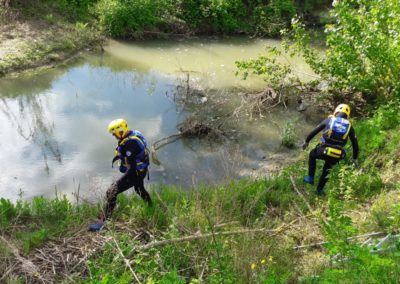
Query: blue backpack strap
(142,160)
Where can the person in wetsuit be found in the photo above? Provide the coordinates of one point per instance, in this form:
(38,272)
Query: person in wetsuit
(133,157)
(336,130)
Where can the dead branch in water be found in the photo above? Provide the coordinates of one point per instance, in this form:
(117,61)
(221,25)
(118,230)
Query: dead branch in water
(260,103)
(161,143)
(192,127)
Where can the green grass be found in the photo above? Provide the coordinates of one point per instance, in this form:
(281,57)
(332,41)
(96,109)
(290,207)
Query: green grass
(57,35)
(252,257)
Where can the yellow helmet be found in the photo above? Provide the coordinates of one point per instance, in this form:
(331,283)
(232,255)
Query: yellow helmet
(118,128)
(343,108)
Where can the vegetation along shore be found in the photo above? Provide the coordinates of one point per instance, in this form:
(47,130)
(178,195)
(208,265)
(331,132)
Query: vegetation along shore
(252,230)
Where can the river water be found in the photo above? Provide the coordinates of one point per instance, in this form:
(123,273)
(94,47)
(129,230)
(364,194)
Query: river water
(54,135)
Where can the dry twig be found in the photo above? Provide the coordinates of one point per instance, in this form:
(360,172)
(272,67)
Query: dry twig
(26,265)
(349,239)
(199,236)
(300,194)
(127,263)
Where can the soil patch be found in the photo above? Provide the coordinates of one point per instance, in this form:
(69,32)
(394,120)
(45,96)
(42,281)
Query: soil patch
(31,43)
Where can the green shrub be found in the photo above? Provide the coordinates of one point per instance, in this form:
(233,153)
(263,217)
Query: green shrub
(129,18)
(288,134)
(273,16)
(362,53)
(267,66)
(75,9)
(386,211)
(213,15)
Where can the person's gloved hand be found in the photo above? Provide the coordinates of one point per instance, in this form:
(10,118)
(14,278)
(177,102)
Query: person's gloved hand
(305,145)
(114,160)
(123,169)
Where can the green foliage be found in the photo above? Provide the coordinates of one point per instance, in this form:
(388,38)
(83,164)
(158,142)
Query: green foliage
(354,184)
(351,262)
(337,228)
(364,267)
(271,17)
(212,15)
(363,53)
(244,205)
(373,133)
(75,9)
(130,18)
(274,73)
(288,134)
(127,18)
(386,212)
(40,219)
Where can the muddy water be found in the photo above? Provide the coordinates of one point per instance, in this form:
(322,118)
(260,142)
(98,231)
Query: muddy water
(54,124)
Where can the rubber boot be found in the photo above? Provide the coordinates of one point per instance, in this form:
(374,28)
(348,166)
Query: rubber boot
(309,179)
(320,192)
(97,226)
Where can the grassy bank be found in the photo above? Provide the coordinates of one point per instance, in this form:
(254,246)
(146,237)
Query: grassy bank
(39,33)
(43,32)
(240,232)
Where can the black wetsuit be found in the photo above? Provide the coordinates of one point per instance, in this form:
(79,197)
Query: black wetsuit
(131,177)
(318,151)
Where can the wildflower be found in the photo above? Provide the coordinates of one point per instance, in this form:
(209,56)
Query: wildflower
(263,261)
(270,258)
(253,266)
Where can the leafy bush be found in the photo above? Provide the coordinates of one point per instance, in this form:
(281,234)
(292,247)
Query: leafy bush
(267,66)
(386,211)
(271,17)
(213,15)
(363,53)
(77,9)
(127,18)
(288,134)
(352,263)
(123,18)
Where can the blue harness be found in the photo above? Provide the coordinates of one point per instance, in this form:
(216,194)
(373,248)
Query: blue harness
(142,158)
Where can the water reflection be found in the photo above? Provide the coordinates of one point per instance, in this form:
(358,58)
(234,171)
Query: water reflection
(53,124)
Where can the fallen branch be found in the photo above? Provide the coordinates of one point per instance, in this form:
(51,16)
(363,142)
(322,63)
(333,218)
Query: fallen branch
(199,236)
(127,263)
(349,239)
(300,194)
(169,139)
(27,266)
(216,226)
(10,269)
(158,144)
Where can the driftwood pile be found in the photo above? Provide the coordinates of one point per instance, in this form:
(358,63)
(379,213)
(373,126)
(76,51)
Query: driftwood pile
(259,103)
(192,127)
(62,258)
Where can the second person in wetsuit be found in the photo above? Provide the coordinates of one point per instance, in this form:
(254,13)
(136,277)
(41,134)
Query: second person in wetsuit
(337,129)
